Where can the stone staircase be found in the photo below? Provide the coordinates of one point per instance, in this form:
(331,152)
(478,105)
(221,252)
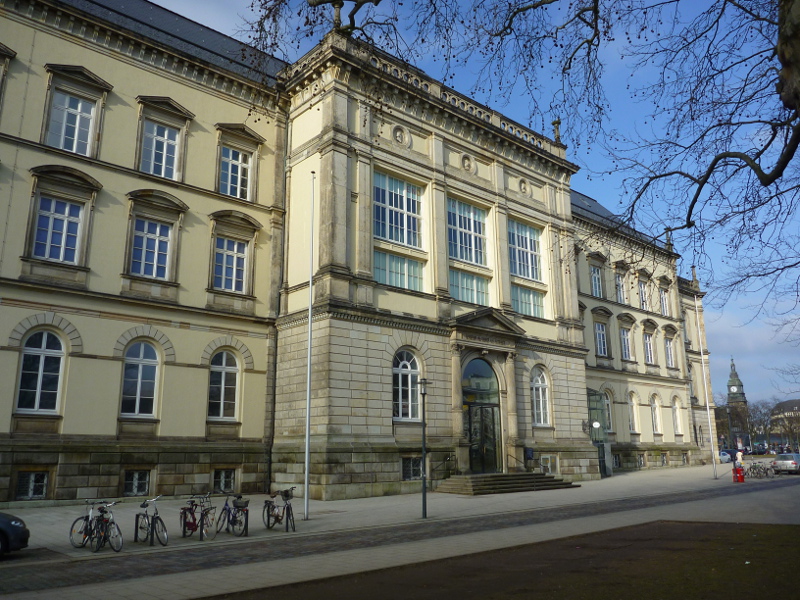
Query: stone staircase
(502,483)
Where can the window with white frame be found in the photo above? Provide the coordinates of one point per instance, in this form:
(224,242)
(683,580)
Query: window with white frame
(649,357)
(233,241)
(619,286)
(643,300)
(397,271)
(396,210)
(625,343)
(596,279)
(162,136)
(467,287)
(676,416)
(663,296)
(137,483)
(654,410)
(139,380)
(75,98)
(412,468)
(540,397)
(632,421)
(527,301)
(600,341)
(230,261)
(238,160)
(608,407)
(222,385)
(150,249)
(40,373)
(405,386)
(31,485)
(524,256)
(58,230)
(668,353)
(466,232)
(224,480)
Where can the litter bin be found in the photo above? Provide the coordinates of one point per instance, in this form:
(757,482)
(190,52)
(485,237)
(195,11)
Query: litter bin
(738,475)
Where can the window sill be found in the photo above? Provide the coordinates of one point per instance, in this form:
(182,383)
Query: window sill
(131,426)
(52,272)
(219,429)
(231,302)
(36,423)
(399,248)
(134,286)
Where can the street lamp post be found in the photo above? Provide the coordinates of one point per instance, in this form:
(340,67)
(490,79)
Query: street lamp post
(731,437)
(423,391)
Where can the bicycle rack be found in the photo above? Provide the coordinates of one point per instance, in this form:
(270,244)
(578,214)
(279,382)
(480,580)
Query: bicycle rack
(151,534)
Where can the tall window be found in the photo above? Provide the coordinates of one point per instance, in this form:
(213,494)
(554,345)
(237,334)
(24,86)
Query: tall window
(643,303)
(466,232)
(654,410)
(668,353)
(527,301)
(619,286)
(222,386)
(625,343)
(632,412)
(539,397)
(234,173)
(40,375)
(139,380)
(160,150)
(523,251)
(601,345)
(150,248)
(405,386)
(396,210)
(70,126)
(58,230)
(608,407)
(469,288)
(663,296)
(398,271)
(649,358)
(230,259)
(596,278)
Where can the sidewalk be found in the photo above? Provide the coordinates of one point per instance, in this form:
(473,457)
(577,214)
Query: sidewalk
(778,502)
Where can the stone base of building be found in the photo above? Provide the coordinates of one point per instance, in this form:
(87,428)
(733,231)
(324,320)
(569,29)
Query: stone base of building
(637,457)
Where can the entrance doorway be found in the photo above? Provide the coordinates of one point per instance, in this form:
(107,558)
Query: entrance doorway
(481,405)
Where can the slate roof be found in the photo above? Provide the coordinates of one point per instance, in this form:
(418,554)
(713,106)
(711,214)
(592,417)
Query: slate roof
(191,39)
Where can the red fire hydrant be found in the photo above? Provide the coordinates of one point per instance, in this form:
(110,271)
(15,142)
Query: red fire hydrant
(738,475)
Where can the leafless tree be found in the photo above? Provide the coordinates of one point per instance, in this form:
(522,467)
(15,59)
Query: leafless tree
(715,157)
(760,418)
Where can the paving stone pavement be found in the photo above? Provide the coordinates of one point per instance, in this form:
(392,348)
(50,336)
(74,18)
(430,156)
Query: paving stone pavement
(386,523)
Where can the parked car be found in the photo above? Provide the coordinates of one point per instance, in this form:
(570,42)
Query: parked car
(724,457)
(787,462)
(13,533)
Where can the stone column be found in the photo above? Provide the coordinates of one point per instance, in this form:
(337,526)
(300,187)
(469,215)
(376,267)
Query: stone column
(511,386)
(462,452)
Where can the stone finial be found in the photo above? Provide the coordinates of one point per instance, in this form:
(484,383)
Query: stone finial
(557,130)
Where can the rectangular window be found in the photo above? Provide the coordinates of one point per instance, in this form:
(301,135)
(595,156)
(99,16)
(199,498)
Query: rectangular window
(643,296)
(664,298)
(523,251)
(224,480)
(31,485)
(137,483)
(596,277)
(625,342)
(527,302)
(412,468)
(398,271)
(160,150)
(234,173)
(396,210)
(71,123)
(469,288)
(619,284)
(230,258)
(600,339)
(466,232)
(150,248)
(58,230)
(668,355)
(648,349)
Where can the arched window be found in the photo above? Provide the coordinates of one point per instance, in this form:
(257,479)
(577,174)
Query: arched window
(405,388)
(222,386)
(41,372)
(139,380)
(540,397)
(632,412)
(676,416)
(608,408)
(654,409)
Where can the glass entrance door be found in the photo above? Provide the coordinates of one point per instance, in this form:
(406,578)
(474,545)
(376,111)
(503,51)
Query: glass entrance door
(484,425)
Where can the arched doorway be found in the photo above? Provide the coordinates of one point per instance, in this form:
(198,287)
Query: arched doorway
(481,406)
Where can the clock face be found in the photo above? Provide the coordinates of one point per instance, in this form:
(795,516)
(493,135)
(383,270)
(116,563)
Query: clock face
(734,388)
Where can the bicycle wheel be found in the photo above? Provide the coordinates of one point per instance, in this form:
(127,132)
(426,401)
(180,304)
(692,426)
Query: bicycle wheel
(289,517)
(114,537)
(222,520)
(268,514)
(161,530)
(79,532)
(209,527)
(98,535)
(237,518)
(770,473)
(143,532)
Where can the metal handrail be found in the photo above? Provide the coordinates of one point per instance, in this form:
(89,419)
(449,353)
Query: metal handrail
(448,465)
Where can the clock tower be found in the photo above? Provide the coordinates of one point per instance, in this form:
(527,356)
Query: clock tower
(735,387)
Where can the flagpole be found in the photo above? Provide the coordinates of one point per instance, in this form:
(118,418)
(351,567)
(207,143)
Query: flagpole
(306,484)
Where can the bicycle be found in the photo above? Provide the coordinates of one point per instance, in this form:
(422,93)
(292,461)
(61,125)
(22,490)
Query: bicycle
(233,518)
(759,471)
(190,522)
(105,530)
(146,526)
(81,530)
(273,513)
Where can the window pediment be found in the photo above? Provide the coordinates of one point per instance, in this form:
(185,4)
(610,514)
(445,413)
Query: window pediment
(649,325)
(670,330)
(6,52)
(627,318)
(664,281)
(597,257)
(644,274)
(622,265)
(237,219)
(167,105)
(485,322)
(80,74)
(602,311)
(159,199)
(67,176)
(242,131)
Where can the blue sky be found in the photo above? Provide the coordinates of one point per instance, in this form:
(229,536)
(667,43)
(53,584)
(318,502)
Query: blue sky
(730,330)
